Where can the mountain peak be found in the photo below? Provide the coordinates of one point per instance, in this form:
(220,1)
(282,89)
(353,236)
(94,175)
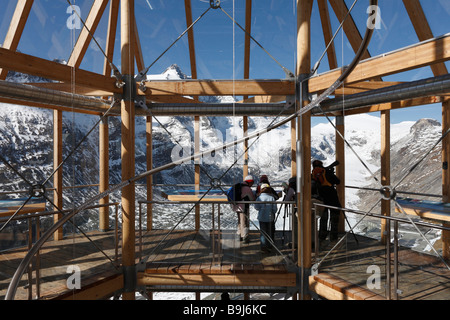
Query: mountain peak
(174,72)
(423,124)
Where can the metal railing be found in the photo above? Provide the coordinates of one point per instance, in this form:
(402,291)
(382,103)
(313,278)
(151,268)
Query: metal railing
(392,277)
(216,227)
(34,250)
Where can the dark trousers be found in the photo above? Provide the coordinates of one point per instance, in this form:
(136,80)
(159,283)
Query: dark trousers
(267,230)
(330,197)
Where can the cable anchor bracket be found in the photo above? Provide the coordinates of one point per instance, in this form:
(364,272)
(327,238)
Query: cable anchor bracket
(388,193)
(215,4)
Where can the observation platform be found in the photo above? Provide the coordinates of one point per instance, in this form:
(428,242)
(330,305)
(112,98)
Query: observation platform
(182,260)
(344,274)
(191,261)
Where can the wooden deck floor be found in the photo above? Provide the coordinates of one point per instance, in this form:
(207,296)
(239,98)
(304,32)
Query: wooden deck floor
(187,257)
(180,252)
(55,259)
(421,276)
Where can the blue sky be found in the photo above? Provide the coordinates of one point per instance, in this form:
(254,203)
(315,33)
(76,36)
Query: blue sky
(220,43)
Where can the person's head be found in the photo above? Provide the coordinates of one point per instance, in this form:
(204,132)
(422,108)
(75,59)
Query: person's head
(249,180)
(265,187)
(317,163)
(264,179)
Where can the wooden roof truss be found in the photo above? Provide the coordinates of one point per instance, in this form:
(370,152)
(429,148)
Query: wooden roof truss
(94,84)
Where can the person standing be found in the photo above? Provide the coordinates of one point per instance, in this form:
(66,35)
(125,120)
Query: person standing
(266,217)
(326,181)
(265,179)
(243,209)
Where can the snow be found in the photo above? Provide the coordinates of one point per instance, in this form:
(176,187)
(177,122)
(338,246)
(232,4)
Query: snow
(270,154)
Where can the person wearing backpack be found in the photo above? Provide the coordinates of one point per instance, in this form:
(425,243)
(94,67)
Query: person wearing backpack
(326,181)
(266,217)
(262,180)
(242,209)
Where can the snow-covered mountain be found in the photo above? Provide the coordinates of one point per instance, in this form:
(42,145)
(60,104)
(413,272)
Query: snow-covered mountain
(26,143)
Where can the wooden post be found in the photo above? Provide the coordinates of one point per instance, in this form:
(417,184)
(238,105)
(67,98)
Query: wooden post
(293,148)
(193,61)
(248,29)
(446,174)
(197,169)
(304,8)
(385,168)
(104,127)
(104,173)
(245,129)
(149,135)
(340,169)
(128,151)
(58,176)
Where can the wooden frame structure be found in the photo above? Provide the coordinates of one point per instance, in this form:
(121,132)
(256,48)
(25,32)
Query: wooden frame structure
(367,76)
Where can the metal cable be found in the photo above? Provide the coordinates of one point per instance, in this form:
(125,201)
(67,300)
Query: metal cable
(82,232)
(317,64)
(82,140)
(421,234)
(423,158)
(286,71)
(349,145)
(117,73)
(142,73)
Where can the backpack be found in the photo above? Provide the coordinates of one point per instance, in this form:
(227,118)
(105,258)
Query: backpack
(319,176)
(292,183)
(235,192)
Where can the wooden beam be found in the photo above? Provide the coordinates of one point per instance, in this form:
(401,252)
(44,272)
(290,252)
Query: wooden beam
(138,49)
(423,30)
(55,71)
(111,35)
(327,33)
(128,145)
(85,37)
(58,176)
(46,106)
(191,42)
(71,88)
(235,280)
(398,105)
(416,56)
(15,30)
(219,87)
(248,29)
(350,28)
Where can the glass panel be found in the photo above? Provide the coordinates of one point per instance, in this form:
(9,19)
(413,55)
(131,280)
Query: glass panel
(26,145)
(357,260)
(51,32)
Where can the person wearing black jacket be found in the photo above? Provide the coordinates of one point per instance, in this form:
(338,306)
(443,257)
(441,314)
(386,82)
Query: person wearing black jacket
(326,181)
